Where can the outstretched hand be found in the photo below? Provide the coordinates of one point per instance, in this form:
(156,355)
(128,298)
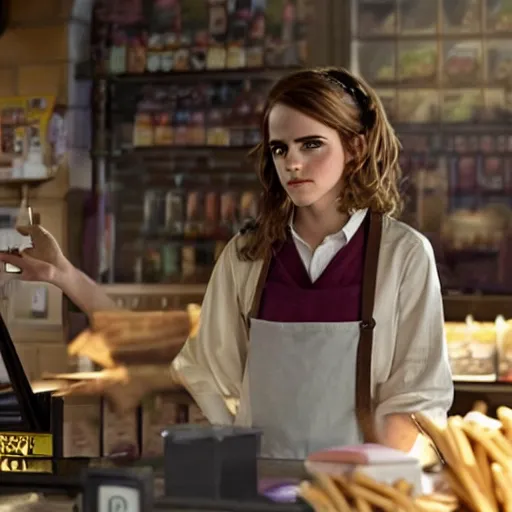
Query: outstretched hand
(43,261)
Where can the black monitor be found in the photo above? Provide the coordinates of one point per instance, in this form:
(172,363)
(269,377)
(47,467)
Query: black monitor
(20,409)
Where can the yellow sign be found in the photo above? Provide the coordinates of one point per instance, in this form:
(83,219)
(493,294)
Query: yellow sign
(27,137)
(20,444)
(22,465)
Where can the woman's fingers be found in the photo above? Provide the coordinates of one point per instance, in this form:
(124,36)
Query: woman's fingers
(13,259)
(32,269)
(34,231)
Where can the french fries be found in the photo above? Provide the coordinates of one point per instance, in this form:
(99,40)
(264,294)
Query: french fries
(360,493)
(477,451)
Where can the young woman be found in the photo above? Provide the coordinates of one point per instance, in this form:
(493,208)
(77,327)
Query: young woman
(323,320)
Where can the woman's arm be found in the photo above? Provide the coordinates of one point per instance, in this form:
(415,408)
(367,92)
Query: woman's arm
(211,364)
(85,293)
(400,432)
(420,379)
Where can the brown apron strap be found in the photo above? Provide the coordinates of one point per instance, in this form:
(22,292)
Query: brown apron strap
(364,403)
(262,279)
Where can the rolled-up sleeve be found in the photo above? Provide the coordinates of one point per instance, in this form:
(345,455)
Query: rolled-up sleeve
(211,364)
(420,378)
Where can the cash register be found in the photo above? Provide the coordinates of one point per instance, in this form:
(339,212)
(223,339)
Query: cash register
(30,423)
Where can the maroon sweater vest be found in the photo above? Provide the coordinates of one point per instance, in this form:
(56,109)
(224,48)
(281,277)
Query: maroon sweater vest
(290,296)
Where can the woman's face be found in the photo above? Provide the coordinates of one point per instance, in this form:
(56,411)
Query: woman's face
(308,156)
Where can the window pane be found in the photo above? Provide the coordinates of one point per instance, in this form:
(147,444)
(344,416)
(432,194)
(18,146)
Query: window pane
(461,15)
(417,16)
(376,17)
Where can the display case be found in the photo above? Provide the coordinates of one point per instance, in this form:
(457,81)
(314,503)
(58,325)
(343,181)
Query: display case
(442,69)
(178,89)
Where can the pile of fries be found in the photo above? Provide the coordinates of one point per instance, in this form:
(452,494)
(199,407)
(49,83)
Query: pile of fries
(360,493)
(477,453)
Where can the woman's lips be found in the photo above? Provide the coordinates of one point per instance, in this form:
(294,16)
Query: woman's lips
(296,183)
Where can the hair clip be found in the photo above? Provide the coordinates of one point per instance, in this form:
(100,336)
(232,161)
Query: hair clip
(337,83)
(368,118)
(350,96)
(354,96)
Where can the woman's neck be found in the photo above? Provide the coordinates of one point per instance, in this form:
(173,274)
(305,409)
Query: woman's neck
(313,224)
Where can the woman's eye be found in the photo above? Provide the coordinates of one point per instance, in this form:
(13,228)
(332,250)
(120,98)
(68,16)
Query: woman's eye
(312,144)
(277,151)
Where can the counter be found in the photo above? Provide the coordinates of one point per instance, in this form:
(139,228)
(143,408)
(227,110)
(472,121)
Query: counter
(60,492)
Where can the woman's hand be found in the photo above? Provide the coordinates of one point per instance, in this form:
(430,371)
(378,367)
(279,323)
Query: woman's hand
(44,262)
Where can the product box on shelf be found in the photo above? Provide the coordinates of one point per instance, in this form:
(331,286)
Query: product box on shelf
(120,432)
(81,427)
(472,350)
(159,412)
(91,428)
(191,36)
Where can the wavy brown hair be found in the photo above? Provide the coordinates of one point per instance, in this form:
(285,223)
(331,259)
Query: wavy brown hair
(349,105)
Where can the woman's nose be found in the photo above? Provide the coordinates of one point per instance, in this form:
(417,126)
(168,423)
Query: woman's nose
(292,162)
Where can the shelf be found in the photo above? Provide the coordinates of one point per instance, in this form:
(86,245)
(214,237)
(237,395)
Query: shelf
(477,128)
(483,387)
(418,84)
(463,255)
(20,182)
(482,307)
(154,289)
(155,236)
(186,76)
(199,151)
(25,184)
(182,149)
(432,36)
(452,153)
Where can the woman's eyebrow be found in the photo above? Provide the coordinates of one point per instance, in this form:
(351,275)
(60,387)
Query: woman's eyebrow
(306,138)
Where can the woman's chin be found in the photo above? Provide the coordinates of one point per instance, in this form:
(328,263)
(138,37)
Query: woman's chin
(301,203)
(302,200)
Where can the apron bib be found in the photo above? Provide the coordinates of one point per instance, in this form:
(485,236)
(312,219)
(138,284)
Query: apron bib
(308,385)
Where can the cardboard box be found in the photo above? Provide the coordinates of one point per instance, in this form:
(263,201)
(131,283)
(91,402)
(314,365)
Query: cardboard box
(81,426)
(158,413)
(120,433)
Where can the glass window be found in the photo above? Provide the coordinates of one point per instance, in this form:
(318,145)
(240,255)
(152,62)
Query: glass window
(376,17)
(417,62)
(462,63)
(377,62)
(445,78)
(461,16)
(417,17)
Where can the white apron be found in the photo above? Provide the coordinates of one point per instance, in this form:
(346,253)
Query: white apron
(301,379)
